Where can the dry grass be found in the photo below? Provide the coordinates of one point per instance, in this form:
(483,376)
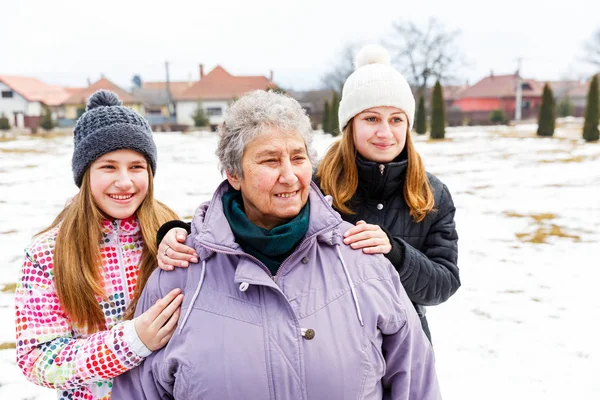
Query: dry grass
(9,288)
(543,233)
(537,217)
(574,159)
(23,151)
(8,232)
(8,345)
(543,230)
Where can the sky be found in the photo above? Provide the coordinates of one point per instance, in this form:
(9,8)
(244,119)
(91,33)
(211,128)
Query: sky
(68,42)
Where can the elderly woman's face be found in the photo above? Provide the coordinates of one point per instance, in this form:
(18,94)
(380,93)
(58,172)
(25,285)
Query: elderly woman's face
(277,175)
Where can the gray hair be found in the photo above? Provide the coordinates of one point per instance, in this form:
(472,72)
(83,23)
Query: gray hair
(252,114)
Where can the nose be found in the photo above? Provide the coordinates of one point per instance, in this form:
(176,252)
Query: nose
(287,175)
(123,181)
(384,129)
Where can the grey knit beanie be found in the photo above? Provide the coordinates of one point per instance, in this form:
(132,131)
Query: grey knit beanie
(108,126)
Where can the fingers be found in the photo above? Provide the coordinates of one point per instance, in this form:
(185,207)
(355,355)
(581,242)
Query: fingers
(363,232)
(153,312)
(181,234)
(169,328)
(172,254)
(166,313)
(361,226)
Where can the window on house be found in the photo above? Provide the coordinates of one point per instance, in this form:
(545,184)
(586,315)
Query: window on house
(214,111)
(526,105)
(7,94)
(526,86)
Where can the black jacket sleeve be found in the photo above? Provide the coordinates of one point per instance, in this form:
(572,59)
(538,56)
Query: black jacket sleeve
(430,276)
(167,226)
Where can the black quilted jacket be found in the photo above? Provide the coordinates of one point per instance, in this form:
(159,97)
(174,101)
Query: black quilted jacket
(425,254)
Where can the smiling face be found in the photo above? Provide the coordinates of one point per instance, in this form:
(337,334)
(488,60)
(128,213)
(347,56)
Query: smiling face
(380,133)
(119,182)
(277,174)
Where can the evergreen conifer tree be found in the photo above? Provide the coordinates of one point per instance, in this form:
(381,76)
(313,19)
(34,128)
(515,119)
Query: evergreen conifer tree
(592,113)
(199,117)
(334,119)
(420,120)
(4,124)
(326,118)
(47,123)
(565,107)
(438,117)
(547,115)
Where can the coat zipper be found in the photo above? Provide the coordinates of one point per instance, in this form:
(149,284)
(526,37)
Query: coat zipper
(121,264)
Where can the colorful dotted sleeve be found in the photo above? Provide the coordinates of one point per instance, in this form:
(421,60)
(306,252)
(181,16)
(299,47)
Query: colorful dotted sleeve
(50,351)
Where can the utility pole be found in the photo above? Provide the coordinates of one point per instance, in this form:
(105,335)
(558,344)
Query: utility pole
(518,92)
(170,99)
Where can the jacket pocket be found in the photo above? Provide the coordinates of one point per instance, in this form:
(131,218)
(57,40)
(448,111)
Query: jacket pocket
(371,383)
(227,305)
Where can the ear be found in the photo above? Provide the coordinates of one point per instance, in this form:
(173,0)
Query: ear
(234,181)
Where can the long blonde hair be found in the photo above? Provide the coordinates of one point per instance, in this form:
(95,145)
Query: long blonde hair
(338,176)
(77,253)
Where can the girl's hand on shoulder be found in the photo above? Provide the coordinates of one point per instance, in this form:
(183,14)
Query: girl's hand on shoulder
(368,237)
(172,253)
(157,324)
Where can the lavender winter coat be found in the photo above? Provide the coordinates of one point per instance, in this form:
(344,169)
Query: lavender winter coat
(334,323)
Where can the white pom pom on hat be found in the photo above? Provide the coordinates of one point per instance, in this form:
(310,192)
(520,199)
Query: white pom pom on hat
(372,54)
(375,83)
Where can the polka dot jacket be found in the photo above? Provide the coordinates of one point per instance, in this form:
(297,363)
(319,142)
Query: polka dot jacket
(51,350)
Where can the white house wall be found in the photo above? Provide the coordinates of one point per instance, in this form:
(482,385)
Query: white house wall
(185,110)
(34,109)
(16,104)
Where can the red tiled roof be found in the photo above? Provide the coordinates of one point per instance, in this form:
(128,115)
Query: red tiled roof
(32,89)
(502,86)
(580,90)
(81,96)
(72,90)
(219,84)
(453,92)
(176,87)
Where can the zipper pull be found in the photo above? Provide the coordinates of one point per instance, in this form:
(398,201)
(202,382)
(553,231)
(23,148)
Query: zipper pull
(381,168)
(275,278)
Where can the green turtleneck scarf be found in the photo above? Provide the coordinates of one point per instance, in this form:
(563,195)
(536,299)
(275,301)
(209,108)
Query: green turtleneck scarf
(271,247)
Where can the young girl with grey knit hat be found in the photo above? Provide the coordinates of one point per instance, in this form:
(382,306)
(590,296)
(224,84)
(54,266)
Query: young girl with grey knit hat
(82,276)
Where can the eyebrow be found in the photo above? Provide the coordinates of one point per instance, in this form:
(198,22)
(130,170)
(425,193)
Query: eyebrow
(110,161)
(276,153)
(375,112)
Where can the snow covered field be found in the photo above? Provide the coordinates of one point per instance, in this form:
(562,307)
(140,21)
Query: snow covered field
(522,326)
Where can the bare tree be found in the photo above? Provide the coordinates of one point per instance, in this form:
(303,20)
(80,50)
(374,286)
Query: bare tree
(424,54)
(592,48)
(334,79)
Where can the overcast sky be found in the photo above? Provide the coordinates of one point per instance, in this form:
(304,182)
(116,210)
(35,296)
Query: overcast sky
(65,42)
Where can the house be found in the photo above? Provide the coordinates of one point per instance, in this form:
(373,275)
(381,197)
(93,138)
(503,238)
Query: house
(498,92)
(74,105)
(575,91)
(313,101)
(23,100)
(214,92)
(158,102)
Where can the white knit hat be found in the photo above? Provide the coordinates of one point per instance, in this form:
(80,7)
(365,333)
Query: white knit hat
(375,83)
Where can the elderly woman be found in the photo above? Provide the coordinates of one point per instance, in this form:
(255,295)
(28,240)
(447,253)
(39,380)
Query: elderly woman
(279,307)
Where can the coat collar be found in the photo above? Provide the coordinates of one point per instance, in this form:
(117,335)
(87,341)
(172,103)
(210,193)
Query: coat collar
(211,229)
(127,226)
(381,180)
